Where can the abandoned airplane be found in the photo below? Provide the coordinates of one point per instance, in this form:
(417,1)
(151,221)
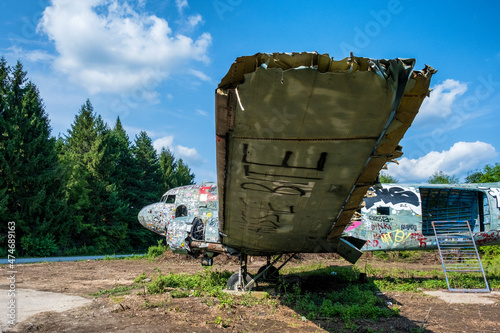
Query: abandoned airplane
(300,141)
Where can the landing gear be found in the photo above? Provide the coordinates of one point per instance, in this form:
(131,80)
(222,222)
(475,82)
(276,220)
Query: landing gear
(268,272)
(206,260)
(243,281)
(198,230)
(234,283)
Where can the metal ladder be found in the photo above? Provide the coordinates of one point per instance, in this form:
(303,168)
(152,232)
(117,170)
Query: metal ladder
(458,251)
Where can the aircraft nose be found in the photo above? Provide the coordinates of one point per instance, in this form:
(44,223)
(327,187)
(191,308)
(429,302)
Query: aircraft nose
(152,217)
(145,216)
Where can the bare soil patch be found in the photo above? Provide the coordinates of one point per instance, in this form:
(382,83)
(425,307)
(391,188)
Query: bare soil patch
(134,311)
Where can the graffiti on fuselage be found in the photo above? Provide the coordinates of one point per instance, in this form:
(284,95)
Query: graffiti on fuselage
(395,197)
(194,197)
(380,218)
(495,193)
(184,205)
(395,237)
(409,227)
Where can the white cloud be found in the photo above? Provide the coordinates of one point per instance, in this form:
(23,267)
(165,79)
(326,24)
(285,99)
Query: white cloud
(108,46)
(200,75)
(33,56)
(441,99)
(186,152)
(202,113)
(181,4)
(461,158)
(188,155)
(165,141)
(193,20)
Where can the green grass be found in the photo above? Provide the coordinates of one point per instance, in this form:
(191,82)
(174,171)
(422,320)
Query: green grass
(398,279)
(160,304)
(112,257)
(337,295)
(398,255)
(207,282)
(116,290)
(156,250)
(326,292)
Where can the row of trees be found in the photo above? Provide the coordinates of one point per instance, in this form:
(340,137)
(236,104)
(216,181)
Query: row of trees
(78,194)
(489,174)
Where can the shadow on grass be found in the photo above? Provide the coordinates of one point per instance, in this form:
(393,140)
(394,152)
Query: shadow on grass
(340,298)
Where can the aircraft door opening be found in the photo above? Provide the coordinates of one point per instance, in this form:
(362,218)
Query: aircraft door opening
(450,204)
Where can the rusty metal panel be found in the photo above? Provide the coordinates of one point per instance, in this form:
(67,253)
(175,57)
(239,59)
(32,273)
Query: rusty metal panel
(300,137)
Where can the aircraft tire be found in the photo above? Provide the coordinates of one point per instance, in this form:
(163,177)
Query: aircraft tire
(198,229)
(272,274)
(232,282)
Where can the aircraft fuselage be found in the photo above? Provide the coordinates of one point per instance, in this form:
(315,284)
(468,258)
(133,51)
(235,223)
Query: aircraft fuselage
(393,216)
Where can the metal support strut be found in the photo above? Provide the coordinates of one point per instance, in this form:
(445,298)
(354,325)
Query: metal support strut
(266,269)
(242,273)
(244,281)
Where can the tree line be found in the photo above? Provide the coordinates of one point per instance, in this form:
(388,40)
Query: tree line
(80,193)
(489,174)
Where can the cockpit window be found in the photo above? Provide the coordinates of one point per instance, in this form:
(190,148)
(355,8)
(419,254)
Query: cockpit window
(383,210)
(170,199)
(181,211)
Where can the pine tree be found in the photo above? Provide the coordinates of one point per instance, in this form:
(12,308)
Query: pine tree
(98,209)
(150,173)
(6,144)
(30,179)
(168,167)
(126,176)
(183,174)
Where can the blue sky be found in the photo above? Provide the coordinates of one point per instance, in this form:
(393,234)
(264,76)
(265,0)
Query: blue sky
(156,64)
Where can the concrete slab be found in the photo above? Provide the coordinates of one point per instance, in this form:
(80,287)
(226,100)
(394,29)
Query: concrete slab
(466,298)
(27,303)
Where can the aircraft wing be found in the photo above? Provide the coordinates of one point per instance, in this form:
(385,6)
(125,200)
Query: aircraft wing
(300,139)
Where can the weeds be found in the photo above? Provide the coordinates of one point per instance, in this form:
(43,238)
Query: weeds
(160,304)
(398,255)
(140,278)
(116,290)
(207,283)
(222,323)
(157,250)
(354,302)
(326,292)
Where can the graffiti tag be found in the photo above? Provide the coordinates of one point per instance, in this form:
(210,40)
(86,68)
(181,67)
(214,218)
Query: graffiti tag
(495,193)
(394,195)
(487,237)
(380,226)
(394,237)
(408,227)
(379,218)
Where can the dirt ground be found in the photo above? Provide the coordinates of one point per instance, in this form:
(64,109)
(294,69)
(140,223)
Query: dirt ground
(135,311)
